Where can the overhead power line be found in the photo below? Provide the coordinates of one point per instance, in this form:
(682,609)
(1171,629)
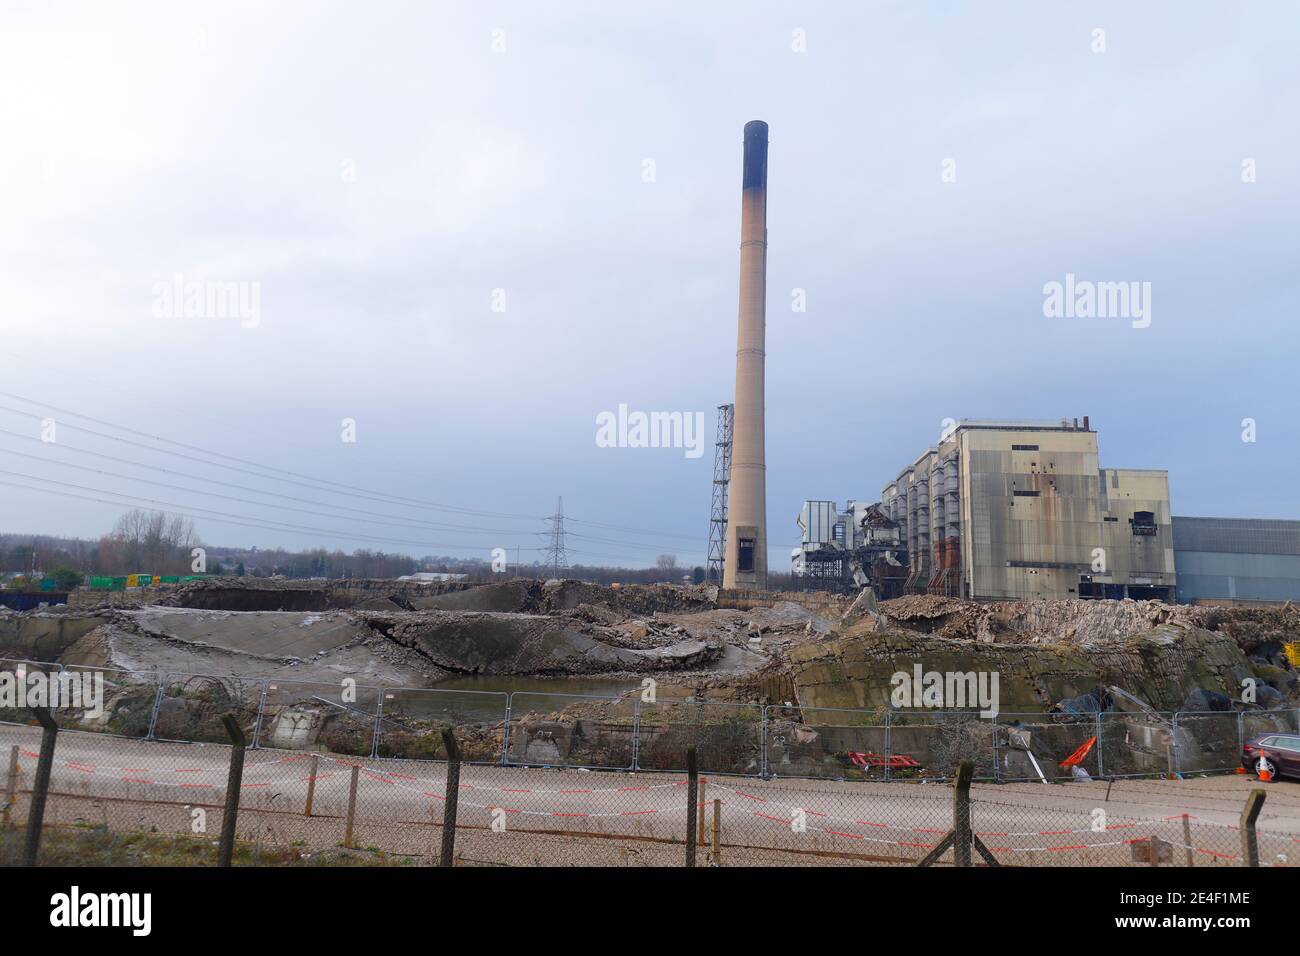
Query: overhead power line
(616,527)
(352,489)
(262,523)
(437,525)
(309,482)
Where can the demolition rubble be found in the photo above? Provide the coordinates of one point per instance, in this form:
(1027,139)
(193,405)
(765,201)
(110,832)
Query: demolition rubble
(807,655)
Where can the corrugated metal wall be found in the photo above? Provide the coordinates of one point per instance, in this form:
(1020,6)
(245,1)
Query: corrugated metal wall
(1237,535)
(1240,559)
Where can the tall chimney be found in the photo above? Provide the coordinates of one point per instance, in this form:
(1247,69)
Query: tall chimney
(745,564)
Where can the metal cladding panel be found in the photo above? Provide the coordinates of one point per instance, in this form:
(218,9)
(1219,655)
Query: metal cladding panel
(1221,575)
(1132,557)
(1034,506)
(818,518)
(1204,575)
(1281,566)
(1237,535)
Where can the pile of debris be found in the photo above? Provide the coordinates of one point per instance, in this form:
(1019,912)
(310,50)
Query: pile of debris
(942,616)
(1079,622)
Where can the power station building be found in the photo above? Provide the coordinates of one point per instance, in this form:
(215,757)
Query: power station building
(1011,510)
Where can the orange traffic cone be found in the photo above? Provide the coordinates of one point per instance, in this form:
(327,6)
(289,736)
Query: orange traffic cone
(1264,774)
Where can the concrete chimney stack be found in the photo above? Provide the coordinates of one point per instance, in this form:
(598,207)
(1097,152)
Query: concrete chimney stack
(745,565)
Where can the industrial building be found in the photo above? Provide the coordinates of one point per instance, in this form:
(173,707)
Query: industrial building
(1237,560)
(1003,510)
(843,550)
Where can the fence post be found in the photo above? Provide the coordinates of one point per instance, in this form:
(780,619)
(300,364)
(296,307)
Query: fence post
(762,750)
(1187,838)
(157,705)
(960,838)
(889,753)
(961,814)
(451,798)
(11,788)
(41,785)
(379,724)
(636,732)
(1101,750)
(352,805)
(234,781)
(505,731)
(1178,760)
(993,736)
(1249,840)
(702,802)
(257,724)
(717,832)
(311,783)
(692,801)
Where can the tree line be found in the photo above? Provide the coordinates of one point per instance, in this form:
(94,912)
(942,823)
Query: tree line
(151,542)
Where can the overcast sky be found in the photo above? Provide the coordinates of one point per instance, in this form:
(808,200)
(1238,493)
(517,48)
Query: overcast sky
(383,175)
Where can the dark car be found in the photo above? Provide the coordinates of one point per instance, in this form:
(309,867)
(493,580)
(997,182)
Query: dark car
(1281,754)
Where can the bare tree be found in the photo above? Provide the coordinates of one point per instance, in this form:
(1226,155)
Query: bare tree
(667,565)
(149,541)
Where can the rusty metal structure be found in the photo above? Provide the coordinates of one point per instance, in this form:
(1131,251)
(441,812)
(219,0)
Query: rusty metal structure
(845,551)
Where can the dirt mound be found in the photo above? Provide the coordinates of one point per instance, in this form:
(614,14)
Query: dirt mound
(479,642)
(1088,622)
(521,595)
(294,594)
(944,616)
(1253,627)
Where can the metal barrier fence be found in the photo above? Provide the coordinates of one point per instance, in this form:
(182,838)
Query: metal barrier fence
(113,800)
(630,733)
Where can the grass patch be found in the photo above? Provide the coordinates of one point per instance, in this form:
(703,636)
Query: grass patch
(99,846)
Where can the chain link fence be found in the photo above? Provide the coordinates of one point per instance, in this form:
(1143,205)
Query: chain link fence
(125,795)
(533,728)
(346,773)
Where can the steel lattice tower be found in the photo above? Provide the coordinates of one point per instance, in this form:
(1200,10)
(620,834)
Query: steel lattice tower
(718,509)
(556,556)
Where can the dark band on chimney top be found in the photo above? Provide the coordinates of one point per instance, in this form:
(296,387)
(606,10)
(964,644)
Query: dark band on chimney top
(755,155)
